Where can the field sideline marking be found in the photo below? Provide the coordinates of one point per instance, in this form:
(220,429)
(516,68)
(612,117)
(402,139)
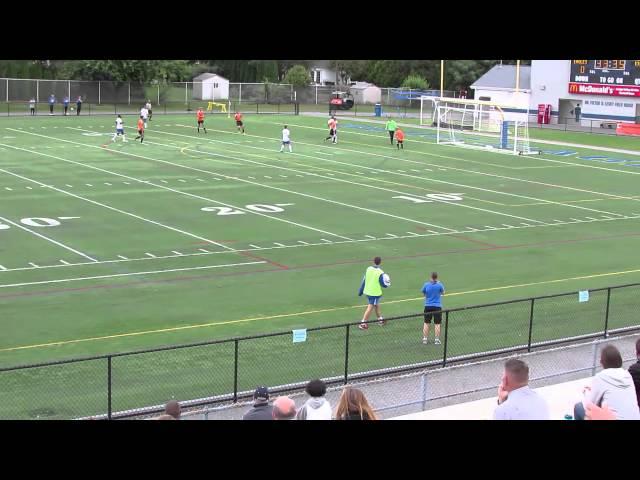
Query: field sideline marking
(97,277)
(149,183)
(308,312)
(49,239)
(412,235)
(432,179)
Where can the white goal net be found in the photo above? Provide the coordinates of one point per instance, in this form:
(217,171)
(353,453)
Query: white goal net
(480,125)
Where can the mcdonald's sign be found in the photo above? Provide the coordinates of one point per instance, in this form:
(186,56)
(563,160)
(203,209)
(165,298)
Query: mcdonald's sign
(600,89)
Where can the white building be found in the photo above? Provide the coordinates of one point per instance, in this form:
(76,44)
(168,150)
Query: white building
(550,82)
(210,86)
(365,93)
(322,73)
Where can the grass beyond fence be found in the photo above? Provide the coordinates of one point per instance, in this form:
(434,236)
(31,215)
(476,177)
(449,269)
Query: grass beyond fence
(134,380)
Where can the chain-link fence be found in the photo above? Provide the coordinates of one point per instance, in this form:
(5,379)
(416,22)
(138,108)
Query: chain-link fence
(226,371)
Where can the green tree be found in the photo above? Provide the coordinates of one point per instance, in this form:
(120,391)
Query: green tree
(127,70)
(298,76)
(415,81)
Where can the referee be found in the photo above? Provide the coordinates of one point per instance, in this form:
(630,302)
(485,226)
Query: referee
(433,291)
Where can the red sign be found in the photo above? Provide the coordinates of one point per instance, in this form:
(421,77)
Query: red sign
(335,101)
(601,89)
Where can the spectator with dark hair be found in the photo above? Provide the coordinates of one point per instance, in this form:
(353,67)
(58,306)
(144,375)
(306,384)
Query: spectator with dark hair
(78,105)
(634,371)
(173,408)
(261,409)
(353,405)
(516,401)
(52,102)
(317,407)
(613,386)
(284,409)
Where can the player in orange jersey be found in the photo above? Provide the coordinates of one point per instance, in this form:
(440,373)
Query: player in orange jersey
(399,138)
(200,118)
(239,124)
(140,129)
(333,130)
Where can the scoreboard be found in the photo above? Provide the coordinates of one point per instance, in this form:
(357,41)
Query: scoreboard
(605,77)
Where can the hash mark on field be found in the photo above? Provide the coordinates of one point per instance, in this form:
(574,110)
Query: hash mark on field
(556,220)
(88,185)
(252,178)
(203,250)
(255,246)
(591,218)
(414,170)
(107,183)
(67,185)
(2,267)
(303,242)
(413,234)
(471,229)
(164,181)
(123,257)
(330,174)
(370,236)
(267,176)
(181,180)
(199,180)
(176,252)
(127,183)
(150,255)
(298,175)
(604,216)
(391,235)
(575,220)
(326,241)
(34,265)
(428,170)
(283,176)
(8,188)
(433,231)
(508,226)
(279,244)
(29,188)
(63,262)
(489,227)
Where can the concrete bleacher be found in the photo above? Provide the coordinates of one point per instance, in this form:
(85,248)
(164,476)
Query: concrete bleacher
(560,397)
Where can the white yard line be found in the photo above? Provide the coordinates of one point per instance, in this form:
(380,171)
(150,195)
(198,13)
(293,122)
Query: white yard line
(461,205)
(148,183)
(152,272)
(303,244)
(51,240)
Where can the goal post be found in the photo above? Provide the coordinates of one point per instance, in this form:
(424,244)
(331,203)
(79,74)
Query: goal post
(481,125)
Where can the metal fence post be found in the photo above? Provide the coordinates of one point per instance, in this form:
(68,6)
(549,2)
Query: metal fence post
(606,314)
(240,94)
(129,98)
(158,95)
(109,387)
(99,88)
(7,92)
(346,356)
(446,336)
(424,385)
(69,89)
(37,91)
(594,364)
(530,325)
(316,93)
(235,372)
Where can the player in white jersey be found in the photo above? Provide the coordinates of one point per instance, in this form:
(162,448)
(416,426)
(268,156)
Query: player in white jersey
(148,107)
(119,130)
(144,114)
(286,138)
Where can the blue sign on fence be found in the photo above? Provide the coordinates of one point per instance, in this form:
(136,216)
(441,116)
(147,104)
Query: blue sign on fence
(583,296)
(299,335)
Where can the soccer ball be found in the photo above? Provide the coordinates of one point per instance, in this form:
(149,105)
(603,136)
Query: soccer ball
(72,109)
(386,279)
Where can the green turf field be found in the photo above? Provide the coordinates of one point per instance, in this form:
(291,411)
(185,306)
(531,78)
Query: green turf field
(109,247)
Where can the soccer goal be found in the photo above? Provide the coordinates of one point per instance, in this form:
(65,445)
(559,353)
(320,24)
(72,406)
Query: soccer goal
(480,125)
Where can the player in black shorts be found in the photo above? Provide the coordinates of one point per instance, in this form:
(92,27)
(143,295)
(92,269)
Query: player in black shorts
(432,291)
(239,124)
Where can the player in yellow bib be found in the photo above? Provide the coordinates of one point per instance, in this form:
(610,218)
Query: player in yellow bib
(372,285)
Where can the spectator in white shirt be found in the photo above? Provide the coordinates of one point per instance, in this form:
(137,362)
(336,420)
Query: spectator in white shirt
(516,401)
(613,386)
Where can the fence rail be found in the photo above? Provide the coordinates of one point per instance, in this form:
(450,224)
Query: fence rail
(127,384)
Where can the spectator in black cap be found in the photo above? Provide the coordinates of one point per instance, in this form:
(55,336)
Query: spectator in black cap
(261,409)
